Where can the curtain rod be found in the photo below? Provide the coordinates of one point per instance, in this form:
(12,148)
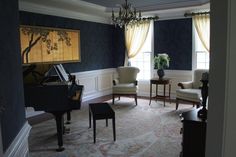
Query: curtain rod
(194,14)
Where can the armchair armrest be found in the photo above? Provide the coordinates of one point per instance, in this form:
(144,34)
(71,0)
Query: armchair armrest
(184,85)
(115,82)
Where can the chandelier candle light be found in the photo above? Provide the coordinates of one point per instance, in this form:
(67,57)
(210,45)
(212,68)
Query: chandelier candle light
(128,16)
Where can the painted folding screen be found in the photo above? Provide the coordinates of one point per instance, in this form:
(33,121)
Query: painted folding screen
(49,45)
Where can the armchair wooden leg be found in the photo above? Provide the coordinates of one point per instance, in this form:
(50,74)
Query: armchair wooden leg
(113,97)
(198,105)
(177,104)
(136,99)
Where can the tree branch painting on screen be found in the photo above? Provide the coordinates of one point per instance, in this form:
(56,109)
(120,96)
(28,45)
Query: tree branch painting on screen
(45,44)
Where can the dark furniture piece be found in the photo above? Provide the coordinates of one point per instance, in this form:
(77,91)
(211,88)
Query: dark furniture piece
(101,111)
(55,98)
(164,82)
(194,134)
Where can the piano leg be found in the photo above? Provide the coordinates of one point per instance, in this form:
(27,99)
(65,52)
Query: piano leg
(60,129)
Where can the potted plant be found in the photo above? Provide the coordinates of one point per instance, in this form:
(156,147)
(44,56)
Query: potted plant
(161,61)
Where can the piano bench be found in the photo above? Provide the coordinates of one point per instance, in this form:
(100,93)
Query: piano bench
(101,111)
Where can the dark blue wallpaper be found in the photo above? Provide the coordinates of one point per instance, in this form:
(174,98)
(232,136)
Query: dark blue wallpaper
(118,47)
(97,43)
(103,45)
(174,37)
(11,89)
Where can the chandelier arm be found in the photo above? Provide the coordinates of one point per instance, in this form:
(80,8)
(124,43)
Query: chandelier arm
(128,16)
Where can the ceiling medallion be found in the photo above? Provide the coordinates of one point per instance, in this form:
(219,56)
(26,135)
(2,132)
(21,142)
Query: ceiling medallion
(128,15)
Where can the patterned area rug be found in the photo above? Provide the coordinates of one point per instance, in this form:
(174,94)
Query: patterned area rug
(141,131)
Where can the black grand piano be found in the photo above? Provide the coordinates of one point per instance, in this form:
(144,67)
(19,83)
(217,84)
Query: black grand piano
(55,97)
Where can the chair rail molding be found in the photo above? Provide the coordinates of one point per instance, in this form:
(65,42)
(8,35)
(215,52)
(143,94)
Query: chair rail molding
(19,147)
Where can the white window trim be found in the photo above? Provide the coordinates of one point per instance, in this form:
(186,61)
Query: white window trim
(194,54)
(152,52)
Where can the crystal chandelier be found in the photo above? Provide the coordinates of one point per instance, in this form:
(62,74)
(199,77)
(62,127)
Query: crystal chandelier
(129,16)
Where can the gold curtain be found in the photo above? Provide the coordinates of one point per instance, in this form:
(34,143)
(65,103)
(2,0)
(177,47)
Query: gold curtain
(135,37)
(202,25)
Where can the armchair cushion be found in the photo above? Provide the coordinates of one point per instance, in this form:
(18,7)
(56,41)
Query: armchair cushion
(189,94)
(125,88)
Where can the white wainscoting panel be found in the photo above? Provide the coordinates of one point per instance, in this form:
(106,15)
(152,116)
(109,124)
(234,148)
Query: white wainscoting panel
(90,84)
(96,82)
(19,147)
(105,82)
(99,82)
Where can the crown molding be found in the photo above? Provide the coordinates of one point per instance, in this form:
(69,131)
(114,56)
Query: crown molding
(169,5)
(41,9)
(89,5)
(96,13)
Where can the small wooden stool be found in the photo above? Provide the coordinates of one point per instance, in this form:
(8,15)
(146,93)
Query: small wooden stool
(101,111)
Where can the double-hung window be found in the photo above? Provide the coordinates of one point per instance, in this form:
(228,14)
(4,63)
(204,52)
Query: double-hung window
(143,59)
(201,34)
(200,53)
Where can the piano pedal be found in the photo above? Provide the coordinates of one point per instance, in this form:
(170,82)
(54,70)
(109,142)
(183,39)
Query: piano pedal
(60,149)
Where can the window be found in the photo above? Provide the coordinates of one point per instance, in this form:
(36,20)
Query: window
(143,59)
(200,53)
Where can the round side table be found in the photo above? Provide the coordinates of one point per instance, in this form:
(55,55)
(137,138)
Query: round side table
(165,82)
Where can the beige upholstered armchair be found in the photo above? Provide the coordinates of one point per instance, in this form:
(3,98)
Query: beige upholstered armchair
(190,91)
(126,83)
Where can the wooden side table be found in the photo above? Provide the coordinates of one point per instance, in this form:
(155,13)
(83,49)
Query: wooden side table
(164,82)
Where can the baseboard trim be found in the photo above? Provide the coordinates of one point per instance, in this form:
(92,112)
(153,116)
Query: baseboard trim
(19,146)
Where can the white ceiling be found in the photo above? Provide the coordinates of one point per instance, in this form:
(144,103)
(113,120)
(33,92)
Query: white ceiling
(100,10)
